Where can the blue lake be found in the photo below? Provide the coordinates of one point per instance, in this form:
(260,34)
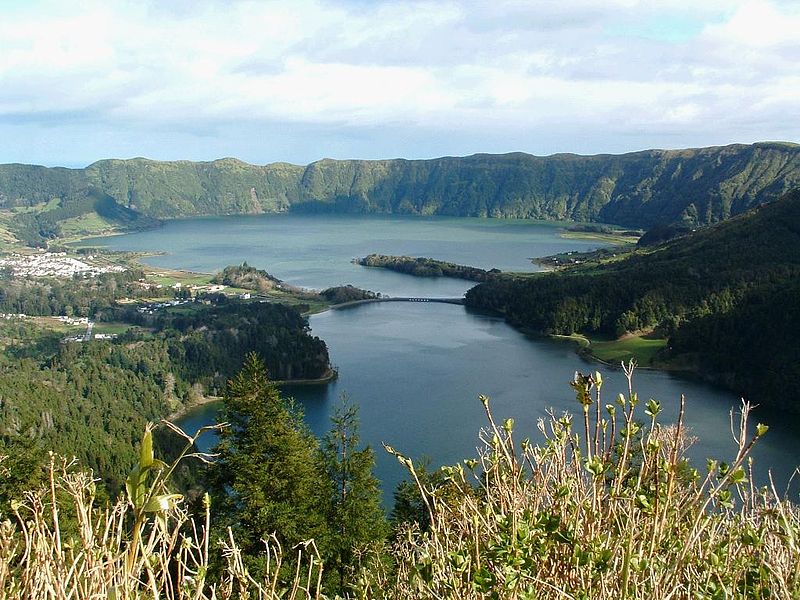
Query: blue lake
(416,369)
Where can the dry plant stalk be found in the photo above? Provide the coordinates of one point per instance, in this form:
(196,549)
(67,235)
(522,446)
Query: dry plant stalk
(616,512)
(145,547)
(612,512)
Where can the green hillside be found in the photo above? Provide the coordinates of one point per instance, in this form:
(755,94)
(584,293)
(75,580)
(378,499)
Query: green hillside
(28,185)
(640,189)
(183,188)
(726,293)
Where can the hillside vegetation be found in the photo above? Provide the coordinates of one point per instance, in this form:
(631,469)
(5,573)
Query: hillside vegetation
(91,398)
(640,189)
(603,505)
(724,296)
(246,277)
(426,267)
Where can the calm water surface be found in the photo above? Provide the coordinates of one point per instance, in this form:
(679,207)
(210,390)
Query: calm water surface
(315,251)
(416,370)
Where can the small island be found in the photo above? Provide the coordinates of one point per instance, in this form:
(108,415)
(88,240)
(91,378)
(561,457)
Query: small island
(428,267)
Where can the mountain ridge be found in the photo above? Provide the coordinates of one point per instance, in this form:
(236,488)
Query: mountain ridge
(694,186)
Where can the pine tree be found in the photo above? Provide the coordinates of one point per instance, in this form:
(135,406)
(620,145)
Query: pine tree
(269,476)
(21,469)
(356,517)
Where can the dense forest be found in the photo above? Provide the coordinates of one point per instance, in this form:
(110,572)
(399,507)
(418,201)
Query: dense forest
(83,297)
(347,293)
(92,398)
(640,189)
(426,267)
(716,293)
(208,343)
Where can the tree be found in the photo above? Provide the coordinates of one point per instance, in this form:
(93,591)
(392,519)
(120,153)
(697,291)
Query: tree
(21,469)
(409,505)
(356,517)
(269,476)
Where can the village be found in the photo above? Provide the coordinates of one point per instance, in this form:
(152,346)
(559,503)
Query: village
(54,264)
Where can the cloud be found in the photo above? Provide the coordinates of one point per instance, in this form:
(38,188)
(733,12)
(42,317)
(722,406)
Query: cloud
(630,69)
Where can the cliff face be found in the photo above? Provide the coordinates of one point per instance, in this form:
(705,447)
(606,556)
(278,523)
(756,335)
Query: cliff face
(641,189)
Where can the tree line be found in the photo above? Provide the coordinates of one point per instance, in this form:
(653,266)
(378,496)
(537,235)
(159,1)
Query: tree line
(713,293)
(427,267)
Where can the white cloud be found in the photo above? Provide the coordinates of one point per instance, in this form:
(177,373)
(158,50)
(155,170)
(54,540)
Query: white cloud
(489,68)
(757,24)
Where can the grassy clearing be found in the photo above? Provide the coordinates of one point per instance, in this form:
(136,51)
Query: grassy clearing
(89,224)
(170,277)
(643,349)
(55,325)
(112,327)
(185,309)
(608,238)
(36,208)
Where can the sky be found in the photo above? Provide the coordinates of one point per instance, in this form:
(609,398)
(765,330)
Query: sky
(301,80)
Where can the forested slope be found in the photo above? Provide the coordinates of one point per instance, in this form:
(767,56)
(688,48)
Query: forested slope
(641,189)
(92,398)
(183,188)
(725,296)
(638,189)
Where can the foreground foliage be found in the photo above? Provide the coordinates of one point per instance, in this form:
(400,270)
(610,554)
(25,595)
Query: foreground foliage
(606,506)
(60,542)
(272,477)
(268,475)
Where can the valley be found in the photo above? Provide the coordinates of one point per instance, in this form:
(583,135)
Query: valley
(378,375)
(177,275)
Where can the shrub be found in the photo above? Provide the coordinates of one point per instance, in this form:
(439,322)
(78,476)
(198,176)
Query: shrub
(608,509)
(605,509)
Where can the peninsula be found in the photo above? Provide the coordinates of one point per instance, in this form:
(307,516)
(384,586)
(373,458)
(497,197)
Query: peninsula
(427,267)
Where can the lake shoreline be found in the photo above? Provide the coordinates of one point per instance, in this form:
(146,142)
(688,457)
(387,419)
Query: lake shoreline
(583,345)
(330,375)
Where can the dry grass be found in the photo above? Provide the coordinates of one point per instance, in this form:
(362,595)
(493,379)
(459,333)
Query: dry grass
(604,508)
(145,547)
(612,512)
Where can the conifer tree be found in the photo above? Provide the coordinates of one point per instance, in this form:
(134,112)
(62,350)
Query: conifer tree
(356,517)
(21,469)
(269,477)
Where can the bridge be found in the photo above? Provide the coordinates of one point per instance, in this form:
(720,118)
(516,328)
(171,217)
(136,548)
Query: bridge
(411,299)
(401,299)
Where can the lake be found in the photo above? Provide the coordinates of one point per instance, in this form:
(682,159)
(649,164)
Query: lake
(315,251)
(416,369)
